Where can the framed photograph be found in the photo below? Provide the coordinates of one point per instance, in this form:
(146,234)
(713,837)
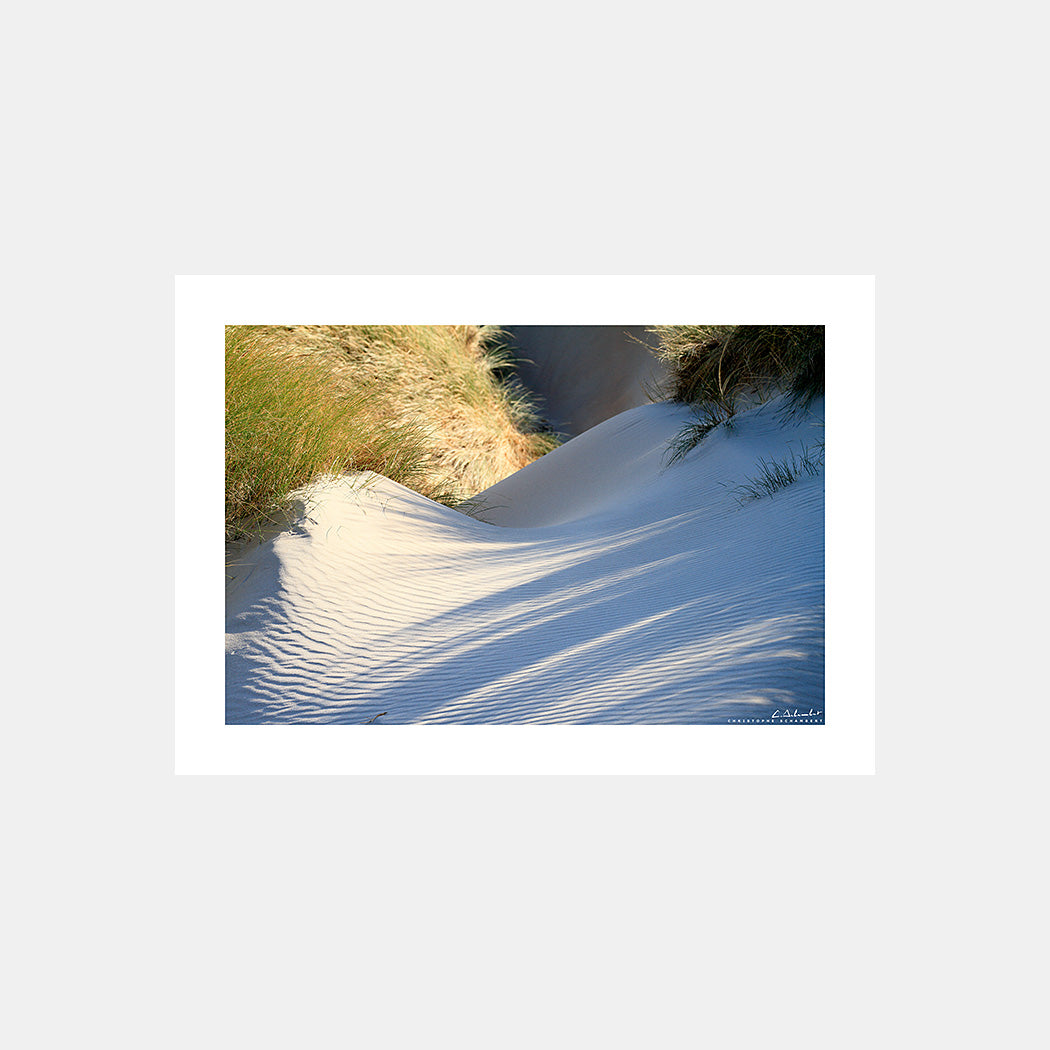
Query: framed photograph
(584,525)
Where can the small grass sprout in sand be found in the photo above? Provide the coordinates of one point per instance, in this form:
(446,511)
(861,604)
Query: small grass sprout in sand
(693,433)
(775,475)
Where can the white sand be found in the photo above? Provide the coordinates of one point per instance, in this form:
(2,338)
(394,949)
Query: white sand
(606,589)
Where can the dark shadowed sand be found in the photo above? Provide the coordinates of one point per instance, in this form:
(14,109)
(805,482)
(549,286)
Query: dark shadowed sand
(584,374)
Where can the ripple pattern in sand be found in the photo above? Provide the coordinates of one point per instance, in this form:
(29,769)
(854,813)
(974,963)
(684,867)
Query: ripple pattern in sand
(672,605)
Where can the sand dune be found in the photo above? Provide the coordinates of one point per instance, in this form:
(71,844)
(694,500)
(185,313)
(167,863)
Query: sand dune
(600,588)
(585,374)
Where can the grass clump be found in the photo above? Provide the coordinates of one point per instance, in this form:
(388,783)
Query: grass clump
(287,424)
(717,368)
(775,475)
(718,365)
(429,406)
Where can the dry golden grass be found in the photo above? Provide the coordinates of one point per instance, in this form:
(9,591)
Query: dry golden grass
(431,406)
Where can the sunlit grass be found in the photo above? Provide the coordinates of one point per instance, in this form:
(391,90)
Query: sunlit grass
(429,406)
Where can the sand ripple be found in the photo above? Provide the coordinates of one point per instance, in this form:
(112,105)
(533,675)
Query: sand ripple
(609,590)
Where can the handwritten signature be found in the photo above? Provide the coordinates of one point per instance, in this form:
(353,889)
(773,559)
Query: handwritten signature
(796,713)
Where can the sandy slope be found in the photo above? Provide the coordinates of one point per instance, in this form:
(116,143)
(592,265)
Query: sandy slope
(608,590)
(585,374)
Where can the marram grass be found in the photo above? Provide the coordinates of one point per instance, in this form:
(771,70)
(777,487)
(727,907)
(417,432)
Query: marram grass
(720,365)
(429,406)
(720,368)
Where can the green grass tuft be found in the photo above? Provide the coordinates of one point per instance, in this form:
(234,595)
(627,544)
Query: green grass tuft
(288,424)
